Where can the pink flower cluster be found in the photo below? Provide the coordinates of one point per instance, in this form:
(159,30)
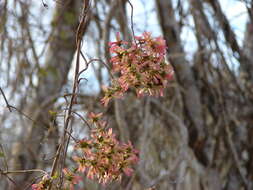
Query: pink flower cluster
(71,179)
(141,65)
(43,184)
(103,157)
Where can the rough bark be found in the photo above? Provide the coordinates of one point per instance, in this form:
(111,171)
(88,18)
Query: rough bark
(184,73)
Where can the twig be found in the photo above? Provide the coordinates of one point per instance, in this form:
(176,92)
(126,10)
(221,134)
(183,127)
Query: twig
(64,144)
(10,179)
(55,163)
(132,23)
(101,61)
(76,141)
(5,99)
(44,4)
(79,115)
(23,171)
(5,161)
(80,79)
(84,58)
(22,113)
(33,181)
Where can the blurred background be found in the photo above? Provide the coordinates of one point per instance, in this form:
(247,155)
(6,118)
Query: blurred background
(197,137)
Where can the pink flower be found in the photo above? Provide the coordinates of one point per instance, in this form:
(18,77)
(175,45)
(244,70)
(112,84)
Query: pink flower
(160,45)
(105,101)
(71,177)
(104,158)
(91,173)
(37,187)
(141,66)
(110,132)
(128,171)
(81,162)
(95,117)
(170,75)
(43,184)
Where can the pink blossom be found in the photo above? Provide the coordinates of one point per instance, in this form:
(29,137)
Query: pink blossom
(43,184)
(104,158)
(128,171)
(142,66)
(37,187)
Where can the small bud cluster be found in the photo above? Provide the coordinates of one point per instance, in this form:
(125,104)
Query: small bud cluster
(43,184)
(103,157)
(141,66)
(71,179)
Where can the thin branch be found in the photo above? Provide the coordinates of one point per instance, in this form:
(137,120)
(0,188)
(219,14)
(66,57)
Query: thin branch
(22,113)
(97,60)
(64,144)
(55,163)
(5,160)
(44,4)
(29,185)
(132,23)
(11,180)
(76,141)
(5,99)
(79,115)
(22,171)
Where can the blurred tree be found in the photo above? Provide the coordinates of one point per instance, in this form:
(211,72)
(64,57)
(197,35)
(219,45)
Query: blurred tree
(198,136)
